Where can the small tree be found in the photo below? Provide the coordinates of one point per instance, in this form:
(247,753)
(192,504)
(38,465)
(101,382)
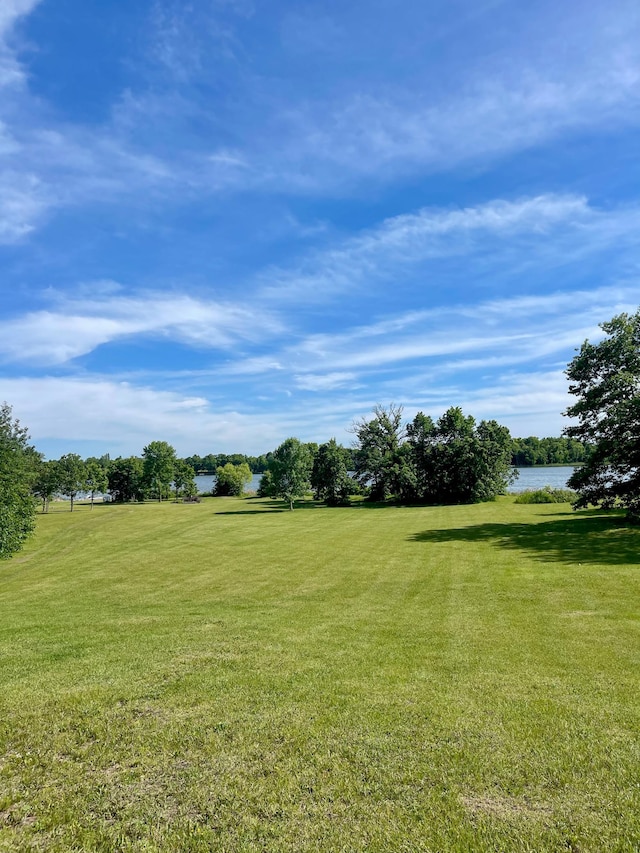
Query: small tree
(183,480)
(96,479)
(290,469)
(605,379)
(72,475)
(125,479)
(159,459)
(46,482)
(231,479)
(266,489)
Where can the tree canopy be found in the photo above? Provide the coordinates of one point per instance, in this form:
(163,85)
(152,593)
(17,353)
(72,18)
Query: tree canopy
(605,379)
(159,459)
(231,479)
(329,477)
(18,462)
(290,469)
(452,460)
(382,460)
(72,476)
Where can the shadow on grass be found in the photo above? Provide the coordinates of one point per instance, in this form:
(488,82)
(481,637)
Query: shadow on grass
(605,539)
(249,511)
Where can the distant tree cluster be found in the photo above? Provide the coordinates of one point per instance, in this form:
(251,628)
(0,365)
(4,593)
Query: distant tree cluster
(448,461)
(547,451)
(210,463)
(125,479)
(452,460)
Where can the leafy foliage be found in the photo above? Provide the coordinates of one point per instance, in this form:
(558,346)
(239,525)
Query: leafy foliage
(18,462)
(449,461)
(605,379)
(183,480)
(125,479)
(95,479)
(329,477)
(46,482)
(290,469)
(231,479)
(72,476)
(159,460)
(266,489)
(547,451)
(383,461)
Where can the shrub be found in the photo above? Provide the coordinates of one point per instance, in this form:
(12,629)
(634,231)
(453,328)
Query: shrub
(546,495)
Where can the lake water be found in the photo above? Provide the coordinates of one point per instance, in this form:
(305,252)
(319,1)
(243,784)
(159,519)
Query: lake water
(538,478)
(530,478)
(206,482)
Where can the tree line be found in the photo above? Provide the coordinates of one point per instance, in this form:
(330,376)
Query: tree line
(159,473)
(524,452)
(449,460)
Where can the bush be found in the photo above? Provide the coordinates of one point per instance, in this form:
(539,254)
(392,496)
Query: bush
(546,495)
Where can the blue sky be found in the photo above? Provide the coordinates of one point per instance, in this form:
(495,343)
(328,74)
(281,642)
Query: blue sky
(225,222)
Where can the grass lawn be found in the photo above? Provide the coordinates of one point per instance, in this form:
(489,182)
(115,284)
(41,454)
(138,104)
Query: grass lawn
(226,676)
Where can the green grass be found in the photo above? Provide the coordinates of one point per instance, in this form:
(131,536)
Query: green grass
(225,676)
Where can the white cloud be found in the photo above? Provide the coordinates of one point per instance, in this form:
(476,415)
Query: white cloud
(23,202)
(405,241)
(323,382)
(507,331)
(122,418)
(77,328)
(11,72)
(518,101)
(11,10)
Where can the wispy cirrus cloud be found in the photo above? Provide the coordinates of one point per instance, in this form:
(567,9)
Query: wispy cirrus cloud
(457,338)
(372,135)
(315,145)
(11,71)
(553,228)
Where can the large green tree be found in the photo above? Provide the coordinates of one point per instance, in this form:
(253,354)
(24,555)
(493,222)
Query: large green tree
(125,479)
(329,476)
(46,482)
(605,379)
(459,461)
(382,461)
(18,462)
(159,460)
(290,468)
(184,479)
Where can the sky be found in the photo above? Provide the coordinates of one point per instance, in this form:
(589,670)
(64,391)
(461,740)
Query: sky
(227,222)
